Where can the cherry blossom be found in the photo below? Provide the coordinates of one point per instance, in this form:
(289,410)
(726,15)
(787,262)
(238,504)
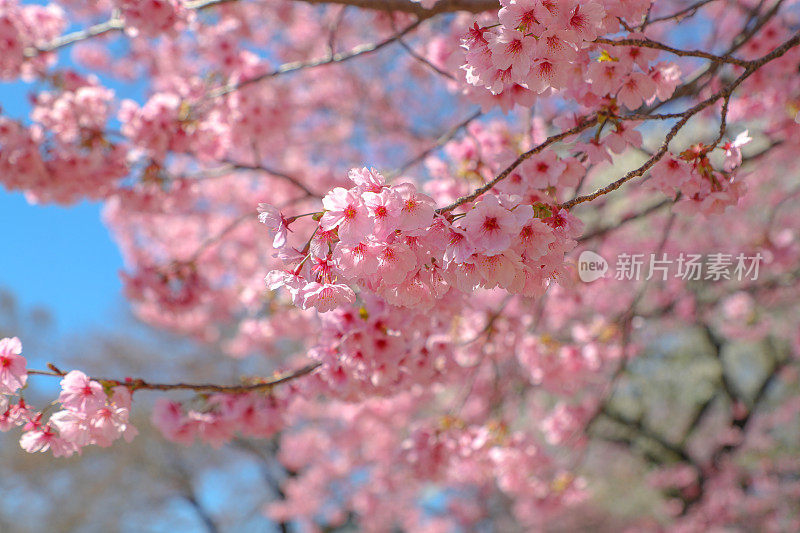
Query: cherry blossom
(13,372)
(345,211)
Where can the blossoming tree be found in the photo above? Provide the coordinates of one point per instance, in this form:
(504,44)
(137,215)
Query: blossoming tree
(388,200)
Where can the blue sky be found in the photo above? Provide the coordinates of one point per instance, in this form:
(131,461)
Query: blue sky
(59,258)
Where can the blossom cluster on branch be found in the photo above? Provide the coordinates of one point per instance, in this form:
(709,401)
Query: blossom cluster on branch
(90,414)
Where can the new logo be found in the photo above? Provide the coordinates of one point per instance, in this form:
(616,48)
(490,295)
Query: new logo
(591,266)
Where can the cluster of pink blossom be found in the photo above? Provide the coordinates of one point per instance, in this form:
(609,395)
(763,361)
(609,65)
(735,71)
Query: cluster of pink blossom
(565,422)
(615,74)
(518,466)
(540,47)
(77,115)
(23,28)
(390,241)
(91,412)
(543,178)
(178,287)
(222,416)
(375,350)
(151,18)
(446,452)
(162,125)
(702,188)
(534,45)
(77,161)
(257,118)
(558,367)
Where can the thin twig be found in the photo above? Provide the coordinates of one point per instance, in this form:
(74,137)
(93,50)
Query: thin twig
(328,59)
(647,43)
(140,384)
(585,124)
(425,61)
(277,173)
(683,13)
(443,139)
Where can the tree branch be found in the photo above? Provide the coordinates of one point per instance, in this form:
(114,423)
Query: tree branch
(444,138)
(140,384)
(724,93)
(407,6)
(326,60)
(647,43)
(585,124)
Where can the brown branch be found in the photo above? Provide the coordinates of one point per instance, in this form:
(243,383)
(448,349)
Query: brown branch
(328,59)
(725,93)
(717,345)
(407,6)
(205,4)
(585,124)
(696,84)
(446,137)
(229,168)
(140,384)
(424,60)
(638,427)
(114,24)
(647,43)
(741,423)
(599,232)
(689,11)
(746,34)
(211,241)
(278,174)
(109,26)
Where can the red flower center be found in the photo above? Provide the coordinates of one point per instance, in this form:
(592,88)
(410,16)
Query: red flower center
(491,224)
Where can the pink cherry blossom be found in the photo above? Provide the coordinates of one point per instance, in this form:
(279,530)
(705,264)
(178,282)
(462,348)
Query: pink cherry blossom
(459,246)
(733,153)
(275,221)
(80,393)
(394,263)
(326,296)
(584,20)
(360,259)
(513,50)
(367,179)
(490,226)
(345,210)
(520,14)
(151,17)
(416,209)
(636,89)
(13,372)
(43,439)
(385,208)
